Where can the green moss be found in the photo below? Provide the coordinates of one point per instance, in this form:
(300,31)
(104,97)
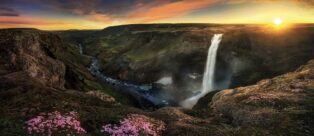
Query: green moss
(149,53)
(92,85)
(142,56)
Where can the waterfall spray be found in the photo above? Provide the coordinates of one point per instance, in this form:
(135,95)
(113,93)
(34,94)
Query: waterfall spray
(209,74)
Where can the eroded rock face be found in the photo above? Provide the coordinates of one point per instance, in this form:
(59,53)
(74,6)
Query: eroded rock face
(29,52)
(247,53)
(285,101)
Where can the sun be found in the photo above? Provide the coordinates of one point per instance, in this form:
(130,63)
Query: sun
(278,21)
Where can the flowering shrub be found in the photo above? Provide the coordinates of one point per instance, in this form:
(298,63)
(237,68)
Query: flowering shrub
(135,125)
(55,123)
(268,98)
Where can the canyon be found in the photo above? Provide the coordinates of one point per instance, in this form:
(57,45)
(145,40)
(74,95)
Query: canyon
(264,78)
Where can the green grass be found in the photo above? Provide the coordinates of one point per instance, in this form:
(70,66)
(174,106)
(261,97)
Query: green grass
(24,103)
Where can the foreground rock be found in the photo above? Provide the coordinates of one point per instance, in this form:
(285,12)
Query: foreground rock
(279,106)
(38,73)
(283,104)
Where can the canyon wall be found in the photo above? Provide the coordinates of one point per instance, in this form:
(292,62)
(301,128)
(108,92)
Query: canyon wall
(247,54)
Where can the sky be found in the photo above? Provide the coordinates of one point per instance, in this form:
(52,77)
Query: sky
(98,14)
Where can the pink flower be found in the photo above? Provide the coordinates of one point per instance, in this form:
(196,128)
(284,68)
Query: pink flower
(134,125)
(54,122)
(270,98)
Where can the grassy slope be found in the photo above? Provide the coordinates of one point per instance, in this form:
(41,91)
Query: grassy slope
(21,103)
(23,97)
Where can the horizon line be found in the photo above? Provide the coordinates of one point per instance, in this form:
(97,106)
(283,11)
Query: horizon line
(312,23)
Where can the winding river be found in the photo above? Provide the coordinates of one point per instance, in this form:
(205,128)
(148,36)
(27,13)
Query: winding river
(145,95)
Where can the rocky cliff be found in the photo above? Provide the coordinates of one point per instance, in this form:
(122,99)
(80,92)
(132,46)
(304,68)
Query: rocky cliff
(28,54)
(39,58)
(39,72)
(279,106)
(247,53)
(283,103)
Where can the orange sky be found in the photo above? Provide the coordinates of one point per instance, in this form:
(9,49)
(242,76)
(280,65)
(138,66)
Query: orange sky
(97,14)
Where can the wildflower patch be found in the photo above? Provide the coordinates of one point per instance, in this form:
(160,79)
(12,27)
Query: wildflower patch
(55,123)
(135,125)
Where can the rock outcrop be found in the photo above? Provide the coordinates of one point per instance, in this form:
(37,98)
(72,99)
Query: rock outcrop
(41,58)
(28,54)
(39,72)
(285,101)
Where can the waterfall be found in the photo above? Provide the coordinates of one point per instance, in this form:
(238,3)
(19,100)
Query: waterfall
(209,74)
(81,49)
(208,78)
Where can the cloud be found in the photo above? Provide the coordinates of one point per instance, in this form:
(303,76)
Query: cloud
(5,11)
(168,10)
(128,10)
(45,24)
(101,13)
(107,11)
(84,7)
(306,2)
(27,21)
(99,17)
(309,3)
